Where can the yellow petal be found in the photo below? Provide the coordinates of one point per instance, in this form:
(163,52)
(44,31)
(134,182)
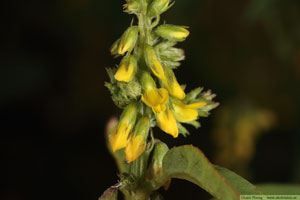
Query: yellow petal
(163,95)
(153,97)
(125,72)
(157,69)
(124,47)
(153,62)
(196,105)
(180,35)
(177,90)
(174,88)
(135,148)
(128,40)
(167,122)
(184,114)
(159,108)
(118,139)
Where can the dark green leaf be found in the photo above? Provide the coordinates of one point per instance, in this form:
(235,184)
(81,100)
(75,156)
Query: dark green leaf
(189,163)
(238,182)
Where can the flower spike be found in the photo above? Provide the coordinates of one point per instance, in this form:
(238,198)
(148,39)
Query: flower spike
(145,86)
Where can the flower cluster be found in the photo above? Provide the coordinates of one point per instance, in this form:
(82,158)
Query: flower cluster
(144,83)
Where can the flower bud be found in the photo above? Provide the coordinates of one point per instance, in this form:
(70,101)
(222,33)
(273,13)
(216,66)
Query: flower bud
(132,7)
(137,142)
(114,47)
(160,150)
(157,7)
(128,40)
(165,45)
(153,62)
(173,86)
(118,139)
(167,122)
(127,69)
(173,54)
(172,32)
(147,81)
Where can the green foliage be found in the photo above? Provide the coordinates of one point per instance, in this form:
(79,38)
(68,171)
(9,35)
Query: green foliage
(189,163)
(239,183)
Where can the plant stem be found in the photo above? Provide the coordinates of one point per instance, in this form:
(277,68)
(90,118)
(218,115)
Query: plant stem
(138,167)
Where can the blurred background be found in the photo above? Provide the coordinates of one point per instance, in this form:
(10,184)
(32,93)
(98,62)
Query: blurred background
(54,105)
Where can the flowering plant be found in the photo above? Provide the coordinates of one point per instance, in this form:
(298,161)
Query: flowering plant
(145,87)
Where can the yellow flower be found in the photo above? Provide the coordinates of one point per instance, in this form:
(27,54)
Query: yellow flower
(118,138)
(135,148)
(153,62)
(156,98)
(167,122)
(186,112)
(173,86)
(137,143)
(126,70)
(128,40)
(153,97)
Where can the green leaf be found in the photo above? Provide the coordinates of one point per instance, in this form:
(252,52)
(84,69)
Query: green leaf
(238,182)
(189,163)
(109,194)
(279,189)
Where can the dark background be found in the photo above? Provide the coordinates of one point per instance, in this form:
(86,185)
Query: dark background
(54,105)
